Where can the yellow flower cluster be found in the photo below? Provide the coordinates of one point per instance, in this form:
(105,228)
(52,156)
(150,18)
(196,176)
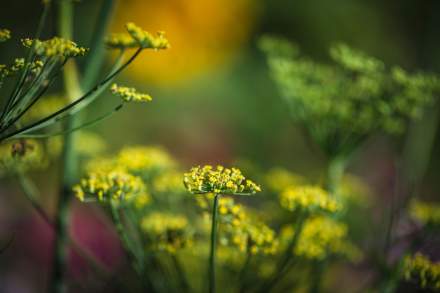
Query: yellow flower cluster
(17,65)
(55,47)
(320,237)
(121,41)
(219,180)
(115,185)
(279,179)
(137,37)
(5,35)
(241,231)
(128,94)
(309,198)
(420,268)
(144,159)
(261,239)
(230,213)
(21,156)
(147,40)
(426,213)
(166,232)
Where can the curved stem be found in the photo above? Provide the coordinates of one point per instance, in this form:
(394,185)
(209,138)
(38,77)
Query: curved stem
(214,226)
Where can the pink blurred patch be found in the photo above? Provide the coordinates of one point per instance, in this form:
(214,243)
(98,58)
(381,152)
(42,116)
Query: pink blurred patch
(92,231)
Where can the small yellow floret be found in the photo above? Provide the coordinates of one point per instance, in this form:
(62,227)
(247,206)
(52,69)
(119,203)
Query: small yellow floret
(128,94)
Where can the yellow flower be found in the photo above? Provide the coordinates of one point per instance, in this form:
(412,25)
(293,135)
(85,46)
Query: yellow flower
(166,232)
(309,198)
(55,47)
(121,41)
(425,213)
(321,237)
(114,186)
(147,40)
(219,180)
(4,35)
(420,268)
(128,94)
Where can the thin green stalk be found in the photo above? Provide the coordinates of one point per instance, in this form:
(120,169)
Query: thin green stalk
(212,253)
(95,58)
(69,158)
(335,171)
(318,271)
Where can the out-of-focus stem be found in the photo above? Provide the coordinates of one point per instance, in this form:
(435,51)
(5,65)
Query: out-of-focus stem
(213,244)
(69,157)
(73,89)
(335,171)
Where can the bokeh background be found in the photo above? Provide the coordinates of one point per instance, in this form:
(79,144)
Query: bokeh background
(214,101)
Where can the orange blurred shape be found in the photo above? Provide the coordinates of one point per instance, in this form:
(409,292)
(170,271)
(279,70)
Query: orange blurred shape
(203,34)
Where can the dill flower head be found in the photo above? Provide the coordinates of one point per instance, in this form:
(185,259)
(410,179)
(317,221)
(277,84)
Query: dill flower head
(425,213)
(121,41)
(55,47)
(116,185)
(342,102)
(147,40)
(166,232)
(21,156)
(261,239)
(219,180)
(5,34)
(128,94)
(230,213)
(279,179)
(143,160)
(419,268)
(321,237)
(309,198)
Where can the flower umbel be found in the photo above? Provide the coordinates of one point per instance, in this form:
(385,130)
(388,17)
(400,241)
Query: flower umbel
(307,197)
(147,40)
(115,185)
(219,180)
(128,94)
(420,268)
(166,232)
(5,35)
(55,47)
(425,213)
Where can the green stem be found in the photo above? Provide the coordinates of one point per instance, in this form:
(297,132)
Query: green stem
(335,171)
(69,157)
(318,271)
(213,244)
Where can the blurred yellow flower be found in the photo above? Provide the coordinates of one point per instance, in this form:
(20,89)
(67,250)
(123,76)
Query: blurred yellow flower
(203,34)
